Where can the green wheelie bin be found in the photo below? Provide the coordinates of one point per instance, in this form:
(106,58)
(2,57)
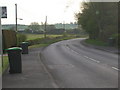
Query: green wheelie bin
(15,63)
(24,46)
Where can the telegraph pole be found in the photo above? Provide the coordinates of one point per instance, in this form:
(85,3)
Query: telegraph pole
(64,26)
(45,27)
(1,52)
(16,17)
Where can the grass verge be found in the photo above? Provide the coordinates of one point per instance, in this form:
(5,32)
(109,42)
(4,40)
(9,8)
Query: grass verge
(45,42)
(5,63)
(96,42)
(38,46)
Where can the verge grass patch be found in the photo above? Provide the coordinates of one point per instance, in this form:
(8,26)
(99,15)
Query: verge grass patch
(96,42)
(5,63)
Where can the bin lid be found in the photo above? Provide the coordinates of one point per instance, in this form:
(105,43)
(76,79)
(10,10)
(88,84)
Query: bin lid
(24,42)
(14,48)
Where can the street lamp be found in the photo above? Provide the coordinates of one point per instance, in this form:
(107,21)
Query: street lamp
(20,18)
(16,17)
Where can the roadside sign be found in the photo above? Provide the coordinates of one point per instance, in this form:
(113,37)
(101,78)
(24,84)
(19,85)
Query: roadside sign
(4,12)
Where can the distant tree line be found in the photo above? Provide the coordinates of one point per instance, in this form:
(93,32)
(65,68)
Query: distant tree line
(35,28)
(100,20)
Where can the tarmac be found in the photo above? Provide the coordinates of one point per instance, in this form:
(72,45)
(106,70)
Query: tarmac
(34,73)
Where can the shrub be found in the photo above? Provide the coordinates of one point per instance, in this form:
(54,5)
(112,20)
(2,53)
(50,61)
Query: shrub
(65,34)
(96,42)
(117,39)
(21,38)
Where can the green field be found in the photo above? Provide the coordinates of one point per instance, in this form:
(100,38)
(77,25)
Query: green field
(43,42)
(35,36)
(38,40)
(38,46)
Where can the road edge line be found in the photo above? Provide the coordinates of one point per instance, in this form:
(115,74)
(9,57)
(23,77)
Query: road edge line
(46,69)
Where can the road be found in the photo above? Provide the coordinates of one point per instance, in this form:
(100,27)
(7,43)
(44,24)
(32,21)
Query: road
(73,65)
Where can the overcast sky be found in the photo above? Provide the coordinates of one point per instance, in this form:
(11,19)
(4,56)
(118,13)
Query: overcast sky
(57,11)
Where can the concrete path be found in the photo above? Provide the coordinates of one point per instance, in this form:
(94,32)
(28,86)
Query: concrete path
(34,74)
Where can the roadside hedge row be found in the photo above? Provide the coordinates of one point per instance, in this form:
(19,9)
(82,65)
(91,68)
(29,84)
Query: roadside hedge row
(48,40)
(20,38)
(117,39)
(9,39)
(43,40)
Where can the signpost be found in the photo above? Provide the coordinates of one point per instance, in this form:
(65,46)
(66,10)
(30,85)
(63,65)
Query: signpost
(3,14)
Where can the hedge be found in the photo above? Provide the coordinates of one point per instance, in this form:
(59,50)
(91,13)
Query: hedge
(21,38)
(117,39)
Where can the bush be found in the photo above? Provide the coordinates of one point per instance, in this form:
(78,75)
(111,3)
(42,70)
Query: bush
(21,38)
(65,34)
(117,39)
(40,41)
(96,42)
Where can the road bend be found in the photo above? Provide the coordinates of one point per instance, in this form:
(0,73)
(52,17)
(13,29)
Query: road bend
(73,65)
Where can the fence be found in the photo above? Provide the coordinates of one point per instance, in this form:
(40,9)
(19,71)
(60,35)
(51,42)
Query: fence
(9,39)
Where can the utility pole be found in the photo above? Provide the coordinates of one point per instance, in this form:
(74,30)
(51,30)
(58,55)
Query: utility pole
(64,26)
(1,52)
(45,27)
(16,17)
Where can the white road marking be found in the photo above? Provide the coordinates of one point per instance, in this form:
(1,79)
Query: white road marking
(72,50)
(67,47)
(84,56)
(92,59)
(115,68)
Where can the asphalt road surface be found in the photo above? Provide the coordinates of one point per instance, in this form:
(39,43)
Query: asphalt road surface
(73,65)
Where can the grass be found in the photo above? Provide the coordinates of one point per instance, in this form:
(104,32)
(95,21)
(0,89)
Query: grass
(35,36)
(96,42)
(40,41)
(5,63)
(38,46)
(45,42)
